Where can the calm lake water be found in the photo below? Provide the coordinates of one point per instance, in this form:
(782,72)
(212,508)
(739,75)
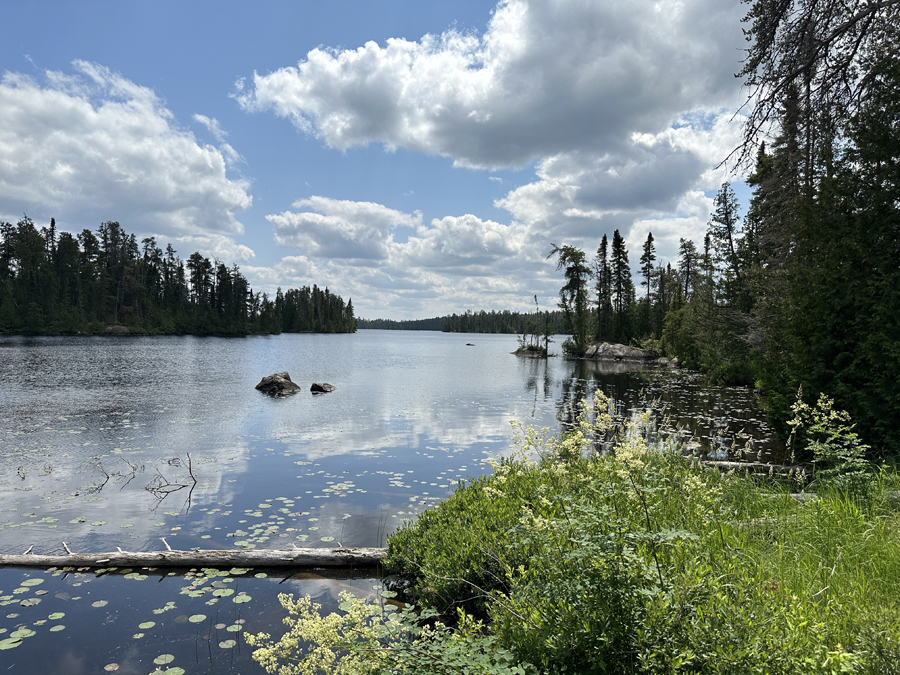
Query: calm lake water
(97,435)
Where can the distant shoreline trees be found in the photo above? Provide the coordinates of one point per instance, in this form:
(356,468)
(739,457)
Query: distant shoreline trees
(54,282)
(510,323)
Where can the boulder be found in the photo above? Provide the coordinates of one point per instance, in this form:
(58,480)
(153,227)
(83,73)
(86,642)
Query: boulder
(321,387)
(279,384)
(616,352)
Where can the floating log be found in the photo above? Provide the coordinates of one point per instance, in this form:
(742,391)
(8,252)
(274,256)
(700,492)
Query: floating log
(298,558)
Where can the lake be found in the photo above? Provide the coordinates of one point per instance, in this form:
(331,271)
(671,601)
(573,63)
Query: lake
(101,439)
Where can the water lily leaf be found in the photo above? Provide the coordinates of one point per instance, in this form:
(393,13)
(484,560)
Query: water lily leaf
(223,592)
(76,521)
(22,633)
(197,618)
(327,538)
(58,627)
(238,570)
(98,523)
(100,603)
(111,667)
(163,659)
(32,582)
(138,636)
(9,643)
(241,599)
(261,575)
(56,615)
(146,625)
(227,644)
(30,602)
(174,671)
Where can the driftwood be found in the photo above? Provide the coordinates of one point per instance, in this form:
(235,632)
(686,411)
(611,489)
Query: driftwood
(298,558)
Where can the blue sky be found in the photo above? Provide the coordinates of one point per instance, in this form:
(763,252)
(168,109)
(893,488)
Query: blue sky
(419,157)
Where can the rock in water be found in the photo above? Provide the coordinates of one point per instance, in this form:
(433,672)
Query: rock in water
(321,388)
(279,384)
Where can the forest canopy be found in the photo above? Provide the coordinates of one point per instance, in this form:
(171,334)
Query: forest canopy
(54,282)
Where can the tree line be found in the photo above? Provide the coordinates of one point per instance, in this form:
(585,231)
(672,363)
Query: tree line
(55,282)
(505,321)
(802,294)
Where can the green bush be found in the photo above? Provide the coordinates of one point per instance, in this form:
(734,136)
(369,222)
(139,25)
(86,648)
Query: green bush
(566,561)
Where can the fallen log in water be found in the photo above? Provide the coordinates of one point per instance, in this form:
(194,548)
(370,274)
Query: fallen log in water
(298,558)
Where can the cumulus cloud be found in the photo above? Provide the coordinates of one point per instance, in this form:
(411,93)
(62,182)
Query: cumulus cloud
(92,145)
(546,77)
(449,263)
(623,109)
(339,228)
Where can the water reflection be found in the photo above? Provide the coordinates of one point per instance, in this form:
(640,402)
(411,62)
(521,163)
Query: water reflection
(102,439)
(716,422)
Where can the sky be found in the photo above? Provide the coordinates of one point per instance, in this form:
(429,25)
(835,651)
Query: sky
(421,158)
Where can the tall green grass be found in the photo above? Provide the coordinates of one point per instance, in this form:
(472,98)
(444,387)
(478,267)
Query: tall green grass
(646,562)
(564,560)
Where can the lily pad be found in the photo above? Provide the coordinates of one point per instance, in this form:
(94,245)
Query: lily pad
(56,615)
(32,582)
(227,644)
(58,627)
(100,603)
(9,643)
(22,633)
(163,659)
(30,602)
(197,618)
(110,667)
(241,599)
(223,592)
(98,523)
(146,625)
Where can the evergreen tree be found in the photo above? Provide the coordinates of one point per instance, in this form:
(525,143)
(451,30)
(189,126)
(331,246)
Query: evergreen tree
(573,296)
(603,288)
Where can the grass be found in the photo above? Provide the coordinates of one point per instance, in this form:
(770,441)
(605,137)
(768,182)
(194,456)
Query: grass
(642,561)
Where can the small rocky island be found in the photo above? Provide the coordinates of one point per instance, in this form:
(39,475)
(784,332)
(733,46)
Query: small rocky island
(278,384)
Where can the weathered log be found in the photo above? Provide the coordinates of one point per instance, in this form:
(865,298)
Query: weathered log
(298,557)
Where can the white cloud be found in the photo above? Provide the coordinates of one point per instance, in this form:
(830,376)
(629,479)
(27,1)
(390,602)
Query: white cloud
(451,263)
(340,229)
(94,146)
(547,77)
(624,108)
